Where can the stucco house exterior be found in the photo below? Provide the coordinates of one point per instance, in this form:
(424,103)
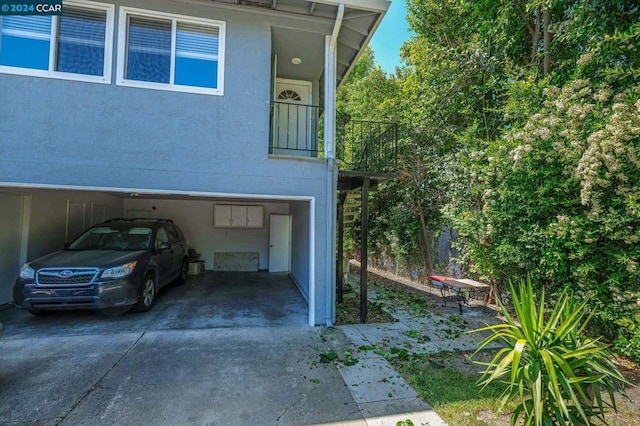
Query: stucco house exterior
(218,114)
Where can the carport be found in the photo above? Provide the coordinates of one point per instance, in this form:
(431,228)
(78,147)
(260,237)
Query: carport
(253,236)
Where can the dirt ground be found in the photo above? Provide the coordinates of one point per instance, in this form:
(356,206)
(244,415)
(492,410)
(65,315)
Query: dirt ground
(628,405)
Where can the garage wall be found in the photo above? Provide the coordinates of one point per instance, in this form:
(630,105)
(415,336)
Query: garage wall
(11,218)
(48,223)
(195,218)
(300,246)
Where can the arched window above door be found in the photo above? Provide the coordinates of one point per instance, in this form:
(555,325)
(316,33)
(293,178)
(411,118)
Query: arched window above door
(289,95)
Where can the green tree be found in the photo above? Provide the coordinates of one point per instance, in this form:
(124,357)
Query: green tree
(519,125)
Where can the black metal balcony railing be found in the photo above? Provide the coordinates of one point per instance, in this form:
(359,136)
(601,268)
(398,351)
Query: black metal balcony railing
(363,146)
(296,130)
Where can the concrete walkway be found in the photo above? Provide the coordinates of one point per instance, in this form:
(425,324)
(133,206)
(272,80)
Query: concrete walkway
(381,393)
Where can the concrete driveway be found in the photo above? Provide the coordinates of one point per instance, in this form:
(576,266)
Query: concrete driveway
(224,349)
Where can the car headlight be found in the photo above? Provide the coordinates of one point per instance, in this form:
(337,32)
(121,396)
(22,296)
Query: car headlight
(27,272)
(119,271)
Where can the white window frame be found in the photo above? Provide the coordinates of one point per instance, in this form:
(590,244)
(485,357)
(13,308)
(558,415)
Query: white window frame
(123,27)
(105,78)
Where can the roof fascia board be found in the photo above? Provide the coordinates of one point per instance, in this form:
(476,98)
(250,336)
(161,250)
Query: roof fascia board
(372,5)
(259,11)
(365,44)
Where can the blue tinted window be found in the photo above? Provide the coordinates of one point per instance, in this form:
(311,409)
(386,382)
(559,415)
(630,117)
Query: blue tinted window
(81,41)
(196,55)
(25,41)
(195,72)
(149,50)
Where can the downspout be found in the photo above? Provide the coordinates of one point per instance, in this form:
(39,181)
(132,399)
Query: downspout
(330,80)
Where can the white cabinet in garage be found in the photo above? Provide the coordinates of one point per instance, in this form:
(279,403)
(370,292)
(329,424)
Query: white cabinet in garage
(222,216)
(238,217)
(233,216)
(255,216)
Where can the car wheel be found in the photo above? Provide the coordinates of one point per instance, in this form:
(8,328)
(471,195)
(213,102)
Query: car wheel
(148,294)
(184,271)
(37,312)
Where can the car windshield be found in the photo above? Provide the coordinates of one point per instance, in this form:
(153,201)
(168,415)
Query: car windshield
(113,237)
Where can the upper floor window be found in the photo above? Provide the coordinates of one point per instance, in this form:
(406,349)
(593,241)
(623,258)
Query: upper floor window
(169,52)
(76,45)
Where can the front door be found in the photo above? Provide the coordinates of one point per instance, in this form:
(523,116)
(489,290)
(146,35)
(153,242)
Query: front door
(279,243)
(293,118)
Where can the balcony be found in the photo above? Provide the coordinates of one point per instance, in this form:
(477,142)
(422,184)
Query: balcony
(296,130)
(365,148)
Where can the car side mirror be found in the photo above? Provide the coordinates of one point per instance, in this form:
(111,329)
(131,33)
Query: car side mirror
(66,245)
(165,246)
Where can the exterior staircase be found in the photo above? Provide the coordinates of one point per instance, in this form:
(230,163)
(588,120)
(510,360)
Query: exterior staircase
(352,207)
(368,153)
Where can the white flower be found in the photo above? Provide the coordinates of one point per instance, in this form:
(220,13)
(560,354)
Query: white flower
(544,133)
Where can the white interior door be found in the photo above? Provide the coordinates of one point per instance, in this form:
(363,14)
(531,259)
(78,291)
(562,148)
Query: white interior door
(279,243)
(294,119)
(11,206)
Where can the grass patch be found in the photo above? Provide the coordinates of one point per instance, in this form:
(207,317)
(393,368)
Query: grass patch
(448,382)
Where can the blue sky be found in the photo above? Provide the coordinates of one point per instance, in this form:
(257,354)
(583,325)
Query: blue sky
(391,34)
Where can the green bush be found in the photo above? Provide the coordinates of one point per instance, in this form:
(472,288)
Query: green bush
(556,374)
(559,200)
(628,341)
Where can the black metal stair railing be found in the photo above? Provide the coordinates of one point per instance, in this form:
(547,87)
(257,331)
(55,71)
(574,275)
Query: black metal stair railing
(366,147)
(369,147)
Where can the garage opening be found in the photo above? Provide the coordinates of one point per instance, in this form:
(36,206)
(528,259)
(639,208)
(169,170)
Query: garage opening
(263,237)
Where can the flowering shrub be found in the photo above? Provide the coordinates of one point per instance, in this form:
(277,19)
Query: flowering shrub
(560,198)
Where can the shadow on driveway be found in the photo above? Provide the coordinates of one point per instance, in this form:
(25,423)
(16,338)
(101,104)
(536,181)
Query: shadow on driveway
(223,349)
(208,300)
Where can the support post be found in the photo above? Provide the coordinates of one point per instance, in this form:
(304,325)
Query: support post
(340,255)
(364,252)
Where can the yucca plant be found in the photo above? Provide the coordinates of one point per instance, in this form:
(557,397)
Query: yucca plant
(554,373)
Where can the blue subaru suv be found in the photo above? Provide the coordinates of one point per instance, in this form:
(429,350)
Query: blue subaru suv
(112,267)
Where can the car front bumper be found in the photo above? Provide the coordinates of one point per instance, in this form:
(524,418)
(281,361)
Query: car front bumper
(101,295)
